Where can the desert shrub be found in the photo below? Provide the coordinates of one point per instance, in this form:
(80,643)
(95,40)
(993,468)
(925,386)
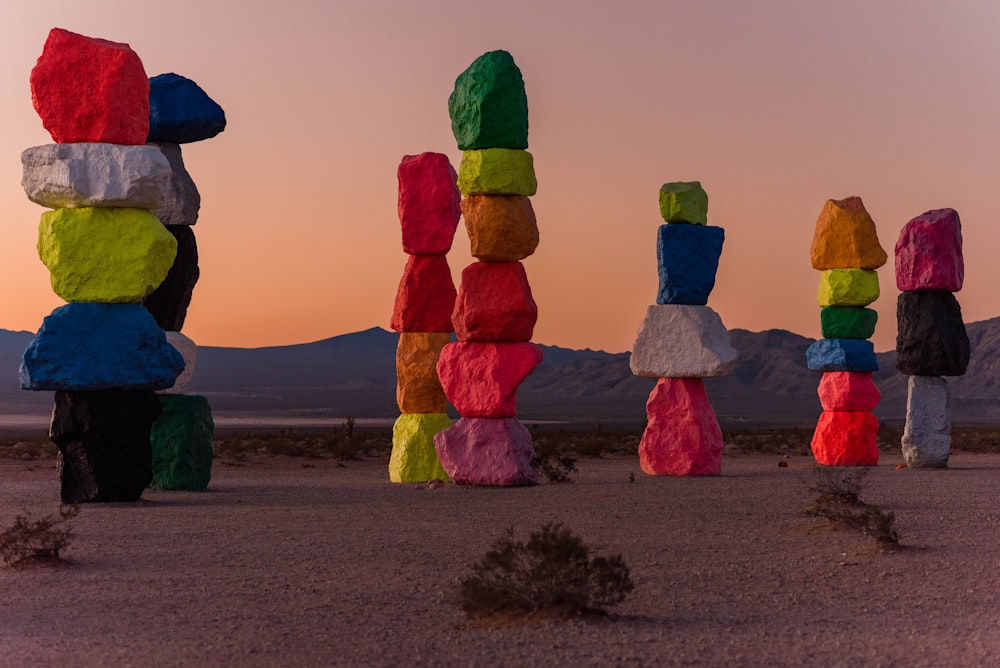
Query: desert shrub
(839,501)
(554,466)
(28,448)
(552,571)
(30,541)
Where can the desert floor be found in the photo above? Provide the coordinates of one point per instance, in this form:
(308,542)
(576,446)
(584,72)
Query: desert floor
(301,562)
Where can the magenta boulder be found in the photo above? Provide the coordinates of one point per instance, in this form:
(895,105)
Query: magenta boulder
(487,451)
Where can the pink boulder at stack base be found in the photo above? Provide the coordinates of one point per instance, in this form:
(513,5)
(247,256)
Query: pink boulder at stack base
(481,379)
(848,391)
(682,436)
(494,303)
(429,203)
(929,253)
(487,451)
(846,439)
(90,90)
(426,296)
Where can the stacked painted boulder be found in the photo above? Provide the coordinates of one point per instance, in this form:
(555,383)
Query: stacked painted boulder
(931,341)
(846,249)
(494,315)
(682,340)
(103,353)
(429,211)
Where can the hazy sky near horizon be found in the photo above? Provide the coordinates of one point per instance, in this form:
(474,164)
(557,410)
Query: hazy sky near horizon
(775,106)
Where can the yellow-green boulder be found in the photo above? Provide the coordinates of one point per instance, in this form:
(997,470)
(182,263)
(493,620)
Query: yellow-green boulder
(848,287)
(110,256)
(497,171)
(413,456)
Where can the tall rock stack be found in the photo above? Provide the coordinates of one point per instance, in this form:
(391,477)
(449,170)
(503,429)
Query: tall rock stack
(931,341)
(103,353)
(180,112)
(682,340)
(494,315)
(846,249)
(429,211)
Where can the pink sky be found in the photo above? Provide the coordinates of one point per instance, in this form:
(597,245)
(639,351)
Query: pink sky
(774,106)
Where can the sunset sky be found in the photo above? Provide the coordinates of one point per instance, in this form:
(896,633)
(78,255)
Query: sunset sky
(775,106)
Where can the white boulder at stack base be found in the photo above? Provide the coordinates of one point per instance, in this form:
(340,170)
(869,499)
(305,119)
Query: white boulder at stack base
(927,435)
(682,341)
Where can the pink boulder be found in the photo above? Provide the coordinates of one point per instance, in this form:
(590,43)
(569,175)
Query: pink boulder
(929,253)
(90,90)
(426,296)
(481,379)
(682,436)
(487,451)
(848,391)
(429,203)
(846,439)
(494,303)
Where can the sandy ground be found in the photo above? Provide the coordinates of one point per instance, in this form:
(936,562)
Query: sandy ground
(297,562)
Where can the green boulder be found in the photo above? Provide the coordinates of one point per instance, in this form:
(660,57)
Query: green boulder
(684,202)
(413,457)
(489,108)
(182,443)
(497,171)
(847,322)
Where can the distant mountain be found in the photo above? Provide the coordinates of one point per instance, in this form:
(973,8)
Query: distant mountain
(355,374)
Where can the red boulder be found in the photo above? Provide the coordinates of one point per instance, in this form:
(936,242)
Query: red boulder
(846,439)
(426,296)
(682,436)
(494,303)
(481,379)
(429,203)
(848,391)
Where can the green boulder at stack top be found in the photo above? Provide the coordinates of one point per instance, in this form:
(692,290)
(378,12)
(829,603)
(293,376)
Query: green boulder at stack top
(109,256)
(181,439)
(848,322)
(684,202)
(497,171)
(413,457)
(847,287)
(489,108)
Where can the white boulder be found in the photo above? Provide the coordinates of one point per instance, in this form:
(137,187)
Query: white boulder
(682,341)
(927,435)
(189,351)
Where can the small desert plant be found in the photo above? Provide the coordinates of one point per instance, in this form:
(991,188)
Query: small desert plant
(555,467)
(839,501)
(37,541)
(552,571)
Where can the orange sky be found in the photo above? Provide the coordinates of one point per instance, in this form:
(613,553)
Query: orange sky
(773,106)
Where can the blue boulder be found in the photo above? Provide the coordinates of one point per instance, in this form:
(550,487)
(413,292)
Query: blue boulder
(842,355)
(180,112)
(89,346)
(688,256)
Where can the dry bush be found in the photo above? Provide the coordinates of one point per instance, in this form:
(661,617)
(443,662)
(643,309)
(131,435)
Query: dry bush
(551,572)
(37,541)
(28,448)
(839,501)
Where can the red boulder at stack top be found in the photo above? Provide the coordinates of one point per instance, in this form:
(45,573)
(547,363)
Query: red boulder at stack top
(682,436)
(90,90)
(848,391)
(929,253)
(426,296)
(481,379)
(429,203)
(845,438)
(494,303)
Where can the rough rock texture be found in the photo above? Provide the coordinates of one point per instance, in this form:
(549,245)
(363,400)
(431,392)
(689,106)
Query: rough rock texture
(429,203)
(181,441)
(105,255)
(189,352)
(497,171)
(500,227)
(426,296)
(929,253)
(688,257)
(684,202)
(105,175)
(182,199)
(931,339)
(845,237)
(103,441)
(682,342)
(84,347)
(847,322)
(481,379)
(846,439)
(682,436)
(413,457)
(487,451)
(927,435)
(418,389)
(841,355)
(90,90)
(169,302)
(181,112)
(848,391)
(488,107)
(847,287)
(494,303)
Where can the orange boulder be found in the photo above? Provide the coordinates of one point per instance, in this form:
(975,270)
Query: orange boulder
(845,237)
(500,227)
(418,389)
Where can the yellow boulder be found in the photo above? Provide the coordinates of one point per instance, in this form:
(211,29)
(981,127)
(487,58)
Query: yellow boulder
(845,237)
(848,287)
(413,457)
(497,171)
(418,389)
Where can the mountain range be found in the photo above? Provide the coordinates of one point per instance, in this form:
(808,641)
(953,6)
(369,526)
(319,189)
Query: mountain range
(355,375)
